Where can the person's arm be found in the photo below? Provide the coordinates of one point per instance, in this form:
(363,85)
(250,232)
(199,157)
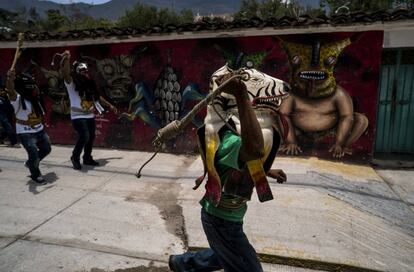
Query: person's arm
(65,67)
(108,104)
(11,92)
(252,146)
(277,174)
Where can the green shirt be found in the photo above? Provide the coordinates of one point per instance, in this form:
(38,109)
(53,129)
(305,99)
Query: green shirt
(227,157)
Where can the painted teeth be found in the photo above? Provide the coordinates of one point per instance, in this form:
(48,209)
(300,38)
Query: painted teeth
(318,75)
(273,100)
(311,77)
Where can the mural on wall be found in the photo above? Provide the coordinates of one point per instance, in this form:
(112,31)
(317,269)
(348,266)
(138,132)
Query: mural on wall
(166,103)
(139,106)
(55,90)
(115,75)
(317,105)
(333,76)
(237,59)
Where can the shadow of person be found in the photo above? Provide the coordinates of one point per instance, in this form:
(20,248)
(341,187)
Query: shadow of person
(51,177)
(35,188)
(105,161)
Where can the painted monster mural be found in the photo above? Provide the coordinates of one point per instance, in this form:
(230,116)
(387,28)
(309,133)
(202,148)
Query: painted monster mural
(235,58)
(55,90)
(317,105)
(115,75)
(331,104)
(166,103)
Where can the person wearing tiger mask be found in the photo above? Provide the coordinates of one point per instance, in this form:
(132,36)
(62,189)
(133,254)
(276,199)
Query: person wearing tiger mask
(238,144)
(84,97)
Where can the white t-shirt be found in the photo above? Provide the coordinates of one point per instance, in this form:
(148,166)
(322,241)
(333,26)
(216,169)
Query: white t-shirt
(25,115)
(84,108)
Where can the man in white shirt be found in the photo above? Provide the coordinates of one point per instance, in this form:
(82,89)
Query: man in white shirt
(24,96)
(84,97)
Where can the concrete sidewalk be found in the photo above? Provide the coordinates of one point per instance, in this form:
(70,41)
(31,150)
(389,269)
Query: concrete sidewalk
(329,216)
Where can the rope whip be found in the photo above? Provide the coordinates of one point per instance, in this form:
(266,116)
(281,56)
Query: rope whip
(177,126)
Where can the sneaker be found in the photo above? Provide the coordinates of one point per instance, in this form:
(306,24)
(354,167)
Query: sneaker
(90,161)
(75,163)
(39,180)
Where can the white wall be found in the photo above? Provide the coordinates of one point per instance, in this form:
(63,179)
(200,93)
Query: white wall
(399,38)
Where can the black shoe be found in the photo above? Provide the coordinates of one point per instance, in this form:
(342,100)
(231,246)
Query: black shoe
(39,180)
(90,161)
(171,264)
(76,163)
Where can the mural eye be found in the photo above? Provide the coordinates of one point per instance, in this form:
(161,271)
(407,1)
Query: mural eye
(52,82)
(126,60)
(249,64)
(108,69)
(296,60)
(330,61)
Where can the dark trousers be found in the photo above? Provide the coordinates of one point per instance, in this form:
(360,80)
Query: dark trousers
(7,127)
(37,146)
(85,128)
(229,249)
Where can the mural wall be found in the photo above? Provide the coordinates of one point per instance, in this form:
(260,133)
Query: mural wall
(330,111)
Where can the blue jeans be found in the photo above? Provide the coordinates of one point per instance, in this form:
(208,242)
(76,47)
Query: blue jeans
(229,249)
(85,128)
(37,146)
(7,127)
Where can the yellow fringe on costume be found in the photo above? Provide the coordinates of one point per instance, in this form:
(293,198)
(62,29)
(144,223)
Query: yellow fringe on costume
(213,185)
(260,180)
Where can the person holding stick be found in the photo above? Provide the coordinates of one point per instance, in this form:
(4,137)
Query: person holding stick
(238,144)
(84,97)
(25,98)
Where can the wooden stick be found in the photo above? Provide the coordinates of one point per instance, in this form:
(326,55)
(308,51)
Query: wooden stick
(18,50)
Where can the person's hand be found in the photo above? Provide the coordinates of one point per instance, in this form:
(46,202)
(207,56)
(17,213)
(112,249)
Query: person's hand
(291,149)
(65,56)
(233,87)
(66,53)
(11,74)
(113,109)
(337,151)
(277,174)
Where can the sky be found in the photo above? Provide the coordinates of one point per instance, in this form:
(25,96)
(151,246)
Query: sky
(77,1)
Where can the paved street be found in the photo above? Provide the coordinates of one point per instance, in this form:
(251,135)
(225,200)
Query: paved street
(330,216)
